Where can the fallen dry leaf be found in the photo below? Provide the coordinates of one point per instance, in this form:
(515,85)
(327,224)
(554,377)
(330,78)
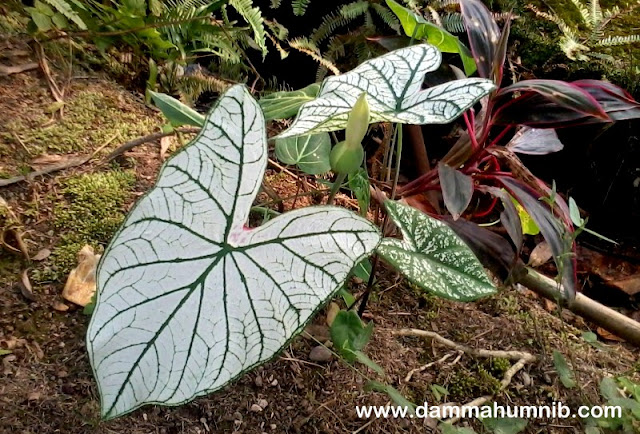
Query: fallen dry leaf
(81,283)
(60,307)
(604,334)
(45,160)
(332,312)
(25,286)
(540,254)
(42,255)
(165,144)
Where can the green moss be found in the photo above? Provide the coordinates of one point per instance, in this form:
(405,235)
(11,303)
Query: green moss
(472,383)
(91,118)
(499,366)
(90,213)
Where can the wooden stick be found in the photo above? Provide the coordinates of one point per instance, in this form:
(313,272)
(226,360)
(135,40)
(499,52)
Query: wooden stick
(146,139)
(603,316)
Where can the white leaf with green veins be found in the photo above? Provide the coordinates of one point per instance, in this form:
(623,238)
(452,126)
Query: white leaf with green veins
(433,257)
(189,297)
(393,83)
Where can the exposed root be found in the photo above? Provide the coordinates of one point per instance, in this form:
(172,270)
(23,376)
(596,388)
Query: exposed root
(521,357)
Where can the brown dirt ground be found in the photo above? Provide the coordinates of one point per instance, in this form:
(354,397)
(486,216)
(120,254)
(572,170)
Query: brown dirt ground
(46,385)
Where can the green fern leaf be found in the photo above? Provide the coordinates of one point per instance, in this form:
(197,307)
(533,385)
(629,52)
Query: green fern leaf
(353,10)
(386,16)
(618,40)
(300,7)
(253,17)
(63,7)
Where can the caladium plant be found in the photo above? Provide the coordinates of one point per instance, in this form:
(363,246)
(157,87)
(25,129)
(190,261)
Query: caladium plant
(191,298)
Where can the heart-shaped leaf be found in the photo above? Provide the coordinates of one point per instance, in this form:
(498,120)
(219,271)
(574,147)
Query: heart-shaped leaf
(393,83)
(457,189)
(433,257)
(309,153)
(189,297)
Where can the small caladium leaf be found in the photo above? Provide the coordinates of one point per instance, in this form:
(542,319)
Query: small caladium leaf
(535,141)
(393,393)
(418,28)
(457,189)
(176,112)
(189,297)
(433,257)
(393,83)
(350,336)
(285,104)
(565,373)
(309,153)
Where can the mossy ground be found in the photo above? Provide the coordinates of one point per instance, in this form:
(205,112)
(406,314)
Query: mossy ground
(95,113)
(88,210)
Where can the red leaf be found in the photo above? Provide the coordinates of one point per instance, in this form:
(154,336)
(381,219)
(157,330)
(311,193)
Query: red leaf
(484,35)
(457,189)
(559,93)
(553,230)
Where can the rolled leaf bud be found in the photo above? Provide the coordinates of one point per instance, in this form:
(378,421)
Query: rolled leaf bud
(346,158)
(358,121)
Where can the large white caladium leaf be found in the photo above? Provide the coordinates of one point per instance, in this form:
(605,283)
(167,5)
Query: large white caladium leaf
(189,297)
(433,257)
(393,83)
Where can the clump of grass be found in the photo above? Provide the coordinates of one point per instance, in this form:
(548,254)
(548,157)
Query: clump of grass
(91,212)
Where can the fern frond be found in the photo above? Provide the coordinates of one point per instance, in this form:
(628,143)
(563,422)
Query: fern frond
(596,13)
(300,6)
(275,4)
(192,87)
(353,10)
(310,49)
(612,41)
(453,22)
(63,7)
(388,17)
(328,26)
(562,25)
(585,13)
(253,17)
